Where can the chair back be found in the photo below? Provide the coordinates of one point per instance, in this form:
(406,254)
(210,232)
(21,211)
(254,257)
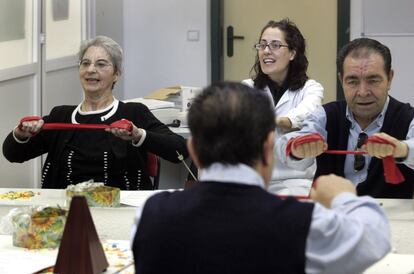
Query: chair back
(153,168)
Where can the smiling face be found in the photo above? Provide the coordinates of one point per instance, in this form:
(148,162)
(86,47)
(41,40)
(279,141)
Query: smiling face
(366,86)
(98,77)
(275,63)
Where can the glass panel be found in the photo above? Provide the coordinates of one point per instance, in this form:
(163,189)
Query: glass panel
(16,33)
(17,103)
(63,28)
(387,17)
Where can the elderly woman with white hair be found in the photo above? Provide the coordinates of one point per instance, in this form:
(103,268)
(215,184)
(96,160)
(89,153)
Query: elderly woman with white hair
(115,156)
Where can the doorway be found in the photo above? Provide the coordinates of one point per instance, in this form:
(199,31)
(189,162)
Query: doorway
(321,23)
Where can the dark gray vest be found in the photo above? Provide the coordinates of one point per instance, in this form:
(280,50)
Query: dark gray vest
(222,228)
(396,123)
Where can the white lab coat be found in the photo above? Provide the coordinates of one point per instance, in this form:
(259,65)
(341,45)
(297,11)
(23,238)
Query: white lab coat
(296,105)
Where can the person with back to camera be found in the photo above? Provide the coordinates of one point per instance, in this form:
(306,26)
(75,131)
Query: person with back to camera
(368,120)
(229,223)
(280,70)
(116,156)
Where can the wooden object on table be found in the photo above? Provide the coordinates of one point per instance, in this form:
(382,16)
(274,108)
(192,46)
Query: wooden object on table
(189,183)
(80,250)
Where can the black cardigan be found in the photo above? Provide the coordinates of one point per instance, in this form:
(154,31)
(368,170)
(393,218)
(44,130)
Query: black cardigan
(160,140)
(396,123)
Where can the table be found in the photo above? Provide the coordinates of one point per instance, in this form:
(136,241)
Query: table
(118,254)
(400,213)
(393,264)
(110,223)
(116,223)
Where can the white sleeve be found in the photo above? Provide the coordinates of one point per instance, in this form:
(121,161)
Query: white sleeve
(349,238)
(143,136)
(248,82)
(409,160)
(314,123)
(17,140)
(312,98)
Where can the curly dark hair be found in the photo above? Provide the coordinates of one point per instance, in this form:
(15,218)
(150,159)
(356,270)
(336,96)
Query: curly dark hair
(297,76)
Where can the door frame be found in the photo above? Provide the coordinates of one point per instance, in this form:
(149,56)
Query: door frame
(343,35)
(216,34)
(217,37)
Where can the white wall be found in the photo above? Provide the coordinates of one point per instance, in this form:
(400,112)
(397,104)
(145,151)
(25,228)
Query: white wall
(109,21)
(391,23)
(59,45)
(157,51)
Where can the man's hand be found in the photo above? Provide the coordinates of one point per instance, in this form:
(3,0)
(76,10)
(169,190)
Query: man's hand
(309,149)
(327,187)
(398,149)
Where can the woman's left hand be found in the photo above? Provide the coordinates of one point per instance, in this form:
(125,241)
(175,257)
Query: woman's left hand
(283,122)
(134,135)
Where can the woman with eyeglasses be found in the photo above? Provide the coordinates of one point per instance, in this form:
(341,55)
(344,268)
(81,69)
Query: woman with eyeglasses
(280,70)
(117,155)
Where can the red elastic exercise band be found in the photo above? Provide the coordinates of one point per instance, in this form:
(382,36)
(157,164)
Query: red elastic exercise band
(391,172)
(121,124)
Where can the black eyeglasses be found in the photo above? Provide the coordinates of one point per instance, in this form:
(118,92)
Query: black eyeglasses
(359,160)
(273,45)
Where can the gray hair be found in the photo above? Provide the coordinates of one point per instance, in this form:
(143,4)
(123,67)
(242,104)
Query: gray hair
(111,47)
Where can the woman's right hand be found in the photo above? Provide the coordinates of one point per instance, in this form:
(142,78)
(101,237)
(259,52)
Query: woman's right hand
(28,128)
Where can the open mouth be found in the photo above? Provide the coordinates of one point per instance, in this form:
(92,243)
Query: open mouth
(268,61)
(92,80)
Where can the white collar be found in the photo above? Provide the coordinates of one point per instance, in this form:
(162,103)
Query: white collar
(226,173)
(113,105)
